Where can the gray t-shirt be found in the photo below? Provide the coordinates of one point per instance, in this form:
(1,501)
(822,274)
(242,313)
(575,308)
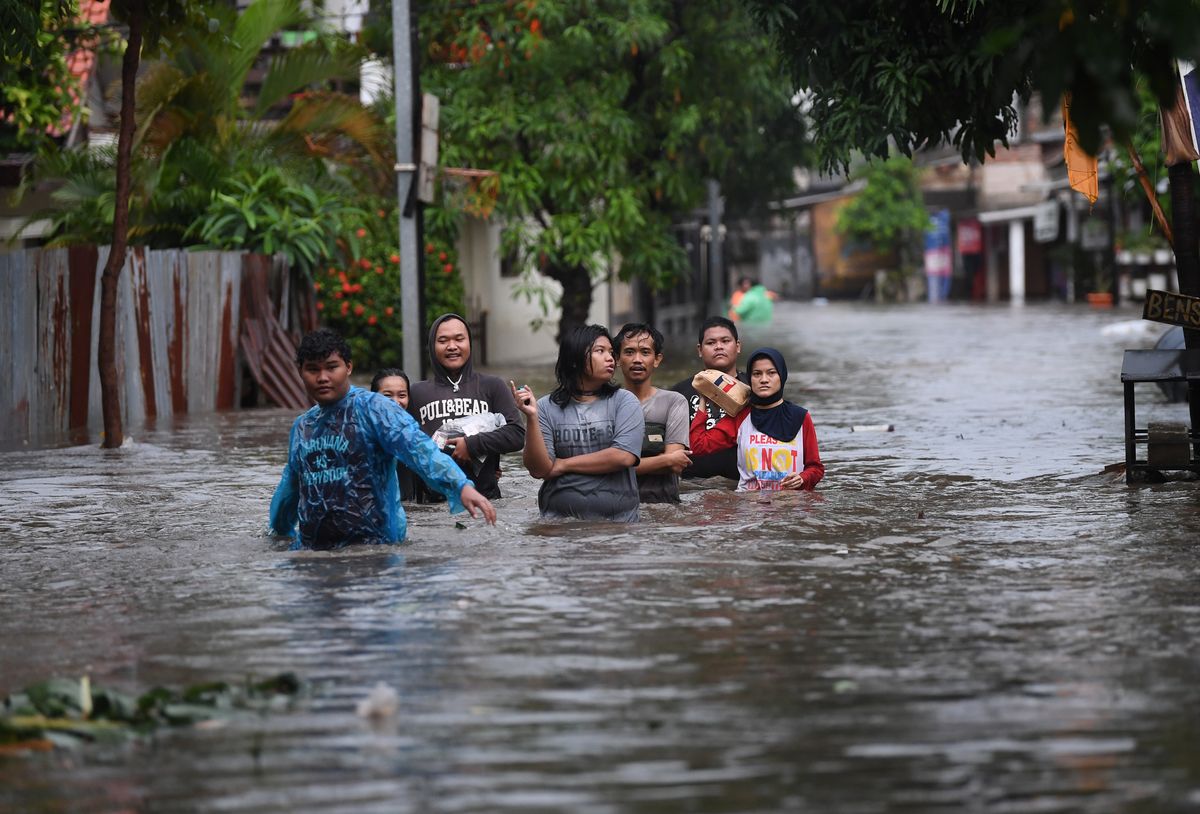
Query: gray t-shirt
(592,426)
(670,409)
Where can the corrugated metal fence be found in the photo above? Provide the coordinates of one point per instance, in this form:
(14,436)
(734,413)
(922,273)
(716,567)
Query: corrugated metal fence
(179,317)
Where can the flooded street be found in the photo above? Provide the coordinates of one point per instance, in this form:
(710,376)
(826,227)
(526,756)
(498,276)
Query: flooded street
(967,616)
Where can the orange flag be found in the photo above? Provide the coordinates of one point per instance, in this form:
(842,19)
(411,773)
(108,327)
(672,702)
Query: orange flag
(1082,169)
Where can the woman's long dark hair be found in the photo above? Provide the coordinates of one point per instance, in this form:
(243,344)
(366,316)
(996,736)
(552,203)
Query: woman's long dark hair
(573,353)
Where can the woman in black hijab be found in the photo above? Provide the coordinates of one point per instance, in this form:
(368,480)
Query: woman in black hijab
(775,439)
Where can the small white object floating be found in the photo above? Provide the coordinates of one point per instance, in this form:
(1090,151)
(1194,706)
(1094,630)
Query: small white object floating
(380,704)
(873,428)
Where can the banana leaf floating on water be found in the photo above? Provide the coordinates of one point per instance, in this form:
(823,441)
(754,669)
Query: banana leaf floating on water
(63,712)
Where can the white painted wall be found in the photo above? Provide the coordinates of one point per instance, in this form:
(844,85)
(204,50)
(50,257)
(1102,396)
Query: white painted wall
(510,335)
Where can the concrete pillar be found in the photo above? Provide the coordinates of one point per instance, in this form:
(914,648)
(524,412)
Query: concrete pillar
(1016,261)
(993,263)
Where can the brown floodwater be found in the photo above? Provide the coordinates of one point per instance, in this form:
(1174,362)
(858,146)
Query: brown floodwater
(967,616)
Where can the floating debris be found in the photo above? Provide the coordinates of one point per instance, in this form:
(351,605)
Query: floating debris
(381,703)
(64,712)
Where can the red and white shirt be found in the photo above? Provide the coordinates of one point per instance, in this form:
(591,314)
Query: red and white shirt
(763,461)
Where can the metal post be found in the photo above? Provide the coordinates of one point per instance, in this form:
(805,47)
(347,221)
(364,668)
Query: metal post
(1130,434)
(406,173)
(1187,265)
(716,262)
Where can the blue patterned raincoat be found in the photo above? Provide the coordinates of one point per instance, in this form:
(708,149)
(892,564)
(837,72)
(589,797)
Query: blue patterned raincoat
(339,484)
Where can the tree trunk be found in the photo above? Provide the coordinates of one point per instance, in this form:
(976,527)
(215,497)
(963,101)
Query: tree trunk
(576,296)
(106,352)
(1187,263)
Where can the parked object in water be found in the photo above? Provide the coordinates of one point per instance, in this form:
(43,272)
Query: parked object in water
(1176,392)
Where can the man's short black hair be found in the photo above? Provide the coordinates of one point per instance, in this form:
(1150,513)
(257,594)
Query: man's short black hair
(717,322)
(632,330)
(318,345)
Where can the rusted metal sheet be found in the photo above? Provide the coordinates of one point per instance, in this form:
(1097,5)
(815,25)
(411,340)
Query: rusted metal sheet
(267,348)
(176,339)
(133,398)
(82,268)
(226,381)
(139,275)
(19,339)
(48,398)
(180,328)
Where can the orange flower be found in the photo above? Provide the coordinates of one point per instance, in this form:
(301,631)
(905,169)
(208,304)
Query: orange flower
(316,286)
(535,26)
(345,308)
(389,310)
(358,310)
(449,267)
(430,248)
(394,259)
(320,305)
(371,320)
(337,295)
(364,263)
(442,256)
(361,232)
(379,269)
(382,213)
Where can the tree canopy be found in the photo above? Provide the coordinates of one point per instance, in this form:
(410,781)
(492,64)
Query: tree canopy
(603,119)
(35,82)
(917,72)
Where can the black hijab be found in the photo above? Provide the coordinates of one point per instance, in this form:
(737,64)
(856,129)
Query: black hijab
(783,421)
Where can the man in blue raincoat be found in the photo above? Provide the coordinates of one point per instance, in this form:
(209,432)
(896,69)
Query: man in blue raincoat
(339,484)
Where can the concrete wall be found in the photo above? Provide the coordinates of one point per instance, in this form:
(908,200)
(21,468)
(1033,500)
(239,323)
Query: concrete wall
(518,330)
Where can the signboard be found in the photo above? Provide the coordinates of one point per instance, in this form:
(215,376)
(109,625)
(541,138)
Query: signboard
(938,261)
(1173,309)
(1045,222)
(970,237)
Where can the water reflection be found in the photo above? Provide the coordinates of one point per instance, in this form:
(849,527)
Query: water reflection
(967,616)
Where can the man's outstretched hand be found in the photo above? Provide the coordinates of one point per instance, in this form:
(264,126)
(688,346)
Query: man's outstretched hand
(472,500)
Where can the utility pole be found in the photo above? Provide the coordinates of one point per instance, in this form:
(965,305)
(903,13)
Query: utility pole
(406,174)
(716,282)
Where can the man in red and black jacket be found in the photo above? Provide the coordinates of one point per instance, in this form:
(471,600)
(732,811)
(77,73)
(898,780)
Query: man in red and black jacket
(718,348)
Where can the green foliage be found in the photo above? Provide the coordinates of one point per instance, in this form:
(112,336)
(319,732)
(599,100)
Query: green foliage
(269,213)
(913,72)
(360,297)
(36,86)
(209,170)
(1147,141)
(604,119)
(888,213)
(66,712)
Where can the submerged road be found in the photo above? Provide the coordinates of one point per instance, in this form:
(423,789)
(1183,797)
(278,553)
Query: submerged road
(967,616)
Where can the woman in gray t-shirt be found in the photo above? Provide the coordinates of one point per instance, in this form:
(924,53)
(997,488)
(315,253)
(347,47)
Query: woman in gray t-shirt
(590,434)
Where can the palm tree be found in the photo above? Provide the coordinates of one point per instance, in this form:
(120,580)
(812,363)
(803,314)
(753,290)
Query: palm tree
(197,137)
